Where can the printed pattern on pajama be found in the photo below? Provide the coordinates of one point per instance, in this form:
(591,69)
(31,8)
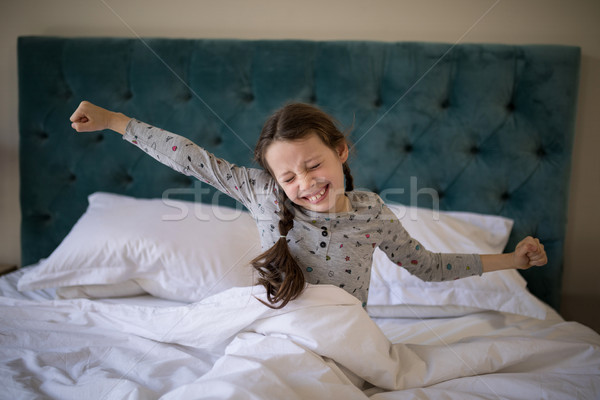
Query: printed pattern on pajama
(334,248)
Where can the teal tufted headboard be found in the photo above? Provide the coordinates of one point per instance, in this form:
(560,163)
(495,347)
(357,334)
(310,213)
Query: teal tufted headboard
(488,127)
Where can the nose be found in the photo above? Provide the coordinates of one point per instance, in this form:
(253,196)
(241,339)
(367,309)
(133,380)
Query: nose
(305,181)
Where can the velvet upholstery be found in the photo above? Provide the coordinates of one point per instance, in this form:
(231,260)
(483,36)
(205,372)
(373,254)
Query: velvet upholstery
(474,127)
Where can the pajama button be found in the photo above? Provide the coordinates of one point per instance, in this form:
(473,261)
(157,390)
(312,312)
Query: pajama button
(324,233)
(323,244)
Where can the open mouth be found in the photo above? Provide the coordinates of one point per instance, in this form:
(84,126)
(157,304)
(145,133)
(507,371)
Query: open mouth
(319,196)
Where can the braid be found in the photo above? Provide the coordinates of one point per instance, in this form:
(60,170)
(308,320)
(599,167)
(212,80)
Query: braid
(286,214)
(349,178)
(278,271)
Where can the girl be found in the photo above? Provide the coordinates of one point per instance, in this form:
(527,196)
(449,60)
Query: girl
(314,227)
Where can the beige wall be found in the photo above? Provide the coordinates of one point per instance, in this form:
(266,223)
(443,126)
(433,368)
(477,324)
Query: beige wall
(509,21)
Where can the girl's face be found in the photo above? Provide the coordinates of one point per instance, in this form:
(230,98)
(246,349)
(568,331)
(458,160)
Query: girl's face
(310,173)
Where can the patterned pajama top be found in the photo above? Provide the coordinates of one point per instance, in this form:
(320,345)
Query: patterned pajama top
(331,248)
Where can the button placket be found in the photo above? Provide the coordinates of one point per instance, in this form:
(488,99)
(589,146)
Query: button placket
(325,240)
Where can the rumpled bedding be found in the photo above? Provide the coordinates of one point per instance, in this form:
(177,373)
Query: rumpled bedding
(322,345)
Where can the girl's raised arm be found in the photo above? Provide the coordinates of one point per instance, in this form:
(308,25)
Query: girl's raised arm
(89,118)
(246,185)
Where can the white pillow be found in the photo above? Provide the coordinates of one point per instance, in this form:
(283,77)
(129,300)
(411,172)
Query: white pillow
(123,246)
(394,292)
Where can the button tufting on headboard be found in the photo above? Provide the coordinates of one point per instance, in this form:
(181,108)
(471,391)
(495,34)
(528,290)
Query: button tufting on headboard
(44,218)
(541,152)
(247,97)
(127,179)
(67,95)
(185,97)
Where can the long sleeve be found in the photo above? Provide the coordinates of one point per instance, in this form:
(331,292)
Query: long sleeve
(408,253)
(246,185)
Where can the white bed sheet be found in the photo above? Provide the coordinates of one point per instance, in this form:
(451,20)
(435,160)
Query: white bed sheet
(322,346)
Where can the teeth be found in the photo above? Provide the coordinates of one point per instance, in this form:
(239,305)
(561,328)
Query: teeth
(318,195)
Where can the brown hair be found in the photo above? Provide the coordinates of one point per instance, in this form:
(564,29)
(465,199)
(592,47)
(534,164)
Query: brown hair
(278,271)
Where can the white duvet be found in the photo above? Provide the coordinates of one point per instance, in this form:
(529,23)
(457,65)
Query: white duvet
(321,346)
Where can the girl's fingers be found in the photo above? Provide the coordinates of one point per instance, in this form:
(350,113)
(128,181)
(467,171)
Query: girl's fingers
(532,252)
(82,115)
(79,113)
(87,118)
(537,256)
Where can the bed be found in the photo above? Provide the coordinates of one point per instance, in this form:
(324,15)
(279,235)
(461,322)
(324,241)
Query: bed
(137,283)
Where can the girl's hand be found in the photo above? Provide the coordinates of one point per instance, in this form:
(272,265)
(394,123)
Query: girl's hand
(528,253)
(89,117)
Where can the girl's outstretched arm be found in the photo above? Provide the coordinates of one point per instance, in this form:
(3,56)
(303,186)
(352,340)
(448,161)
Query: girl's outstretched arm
(89,117)
(249,186)
(528,253)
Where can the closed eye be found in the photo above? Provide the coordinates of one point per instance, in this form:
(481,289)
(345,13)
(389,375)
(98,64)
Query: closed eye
(315,166)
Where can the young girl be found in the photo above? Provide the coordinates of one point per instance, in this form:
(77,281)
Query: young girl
(313,226)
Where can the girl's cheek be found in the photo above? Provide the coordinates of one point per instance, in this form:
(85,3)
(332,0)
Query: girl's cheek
(291,192)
